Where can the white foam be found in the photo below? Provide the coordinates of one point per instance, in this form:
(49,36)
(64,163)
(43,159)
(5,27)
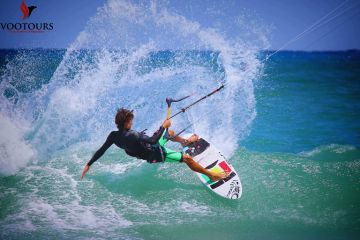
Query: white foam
(79,102)
(70,216)
(120,168)
(194,208)
(335,148)
(53,201)
(15,152)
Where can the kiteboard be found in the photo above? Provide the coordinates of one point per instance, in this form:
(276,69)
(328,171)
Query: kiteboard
(210,158)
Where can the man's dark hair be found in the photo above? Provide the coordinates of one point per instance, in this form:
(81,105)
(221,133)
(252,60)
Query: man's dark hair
(123,115)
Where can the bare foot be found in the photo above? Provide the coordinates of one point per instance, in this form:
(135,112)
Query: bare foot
(218,176)
(193,138)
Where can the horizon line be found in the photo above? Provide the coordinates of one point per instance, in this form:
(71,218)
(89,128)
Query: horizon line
(261,50)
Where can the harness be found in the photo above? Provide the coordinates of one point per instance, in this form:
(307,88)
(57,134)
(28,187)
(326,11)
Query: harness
(157,155)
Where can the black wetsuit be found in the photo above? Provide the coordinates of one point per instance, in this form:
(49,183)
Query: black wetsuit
(134,143)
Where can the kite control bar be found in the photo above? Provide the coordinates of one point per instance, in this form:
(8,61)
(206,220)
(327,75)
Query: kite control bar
(192,104)
(170,100)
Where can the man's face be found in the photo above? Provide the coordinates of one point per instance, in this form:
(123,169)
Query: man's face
(128,124)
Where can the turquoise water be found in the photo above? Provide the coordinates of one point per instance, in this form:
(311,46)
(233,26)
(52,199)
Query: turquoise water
(307,94)
(290,126)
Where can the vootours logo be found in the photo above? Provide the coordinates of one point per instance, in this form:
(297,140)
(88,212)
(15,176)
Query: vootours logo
(27,27)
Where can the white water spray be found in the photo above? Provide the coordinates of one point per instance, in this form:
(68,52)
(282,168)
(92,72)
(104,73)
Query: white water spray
(136,55)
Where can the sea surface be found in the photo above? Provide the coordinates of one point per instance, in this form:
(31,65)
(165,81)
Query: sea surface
(289,125)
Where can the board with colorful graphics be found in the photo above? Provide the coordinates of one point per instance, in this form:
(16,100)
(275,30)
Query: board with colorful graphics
(210,158)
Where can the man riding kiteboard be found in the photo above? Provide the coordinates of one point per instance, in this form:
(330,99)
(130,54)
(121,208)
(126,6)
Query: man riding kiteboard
(152,149)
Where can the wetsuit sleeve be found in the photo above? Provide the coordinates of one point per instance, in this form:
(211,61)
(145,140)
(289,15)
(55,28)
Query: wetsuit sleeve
(154,138)
(109,141)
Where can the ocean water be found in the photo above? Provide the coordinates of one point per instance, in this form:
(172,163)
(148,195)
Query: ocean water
(289,125)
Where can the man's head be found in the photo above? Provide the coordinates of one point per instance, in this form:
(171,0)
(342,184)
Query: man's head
(123,118)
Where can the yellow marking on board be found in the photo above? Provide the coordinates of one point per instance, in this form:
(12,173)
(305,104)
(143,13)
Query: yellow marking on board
(216,170)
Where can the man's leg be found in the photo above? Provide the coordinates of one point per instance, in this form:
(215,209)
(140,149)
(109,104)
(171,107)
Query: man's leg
(193,165)
(173,156)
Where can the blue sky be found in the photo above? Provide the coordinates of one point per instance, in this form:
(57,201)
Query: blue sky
(285,18)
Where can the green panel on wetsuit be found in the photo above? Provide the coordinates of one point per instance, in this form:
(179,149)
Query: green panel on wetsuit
(207,179)
(170,155)
(163,139)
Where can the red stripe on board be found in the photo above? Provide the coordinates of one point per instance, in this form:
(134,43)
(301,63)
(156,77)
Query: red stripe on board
(224,166)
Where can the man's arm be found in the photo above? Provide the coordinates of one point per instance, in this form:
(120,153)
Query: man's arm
(109,141)
(154,138)
(157,135)
(181,140)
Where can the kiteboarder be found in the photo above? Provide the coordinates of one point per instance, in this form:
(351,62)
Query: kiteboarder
(152,149)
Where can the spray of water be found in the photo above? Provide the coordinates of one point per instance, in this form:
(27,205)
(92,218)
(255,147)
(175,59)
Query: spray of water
(134,55)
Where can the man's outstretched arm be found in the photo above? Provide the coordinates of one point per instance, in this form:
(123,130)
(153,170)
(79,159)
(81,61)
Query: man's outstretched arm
(109,141)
